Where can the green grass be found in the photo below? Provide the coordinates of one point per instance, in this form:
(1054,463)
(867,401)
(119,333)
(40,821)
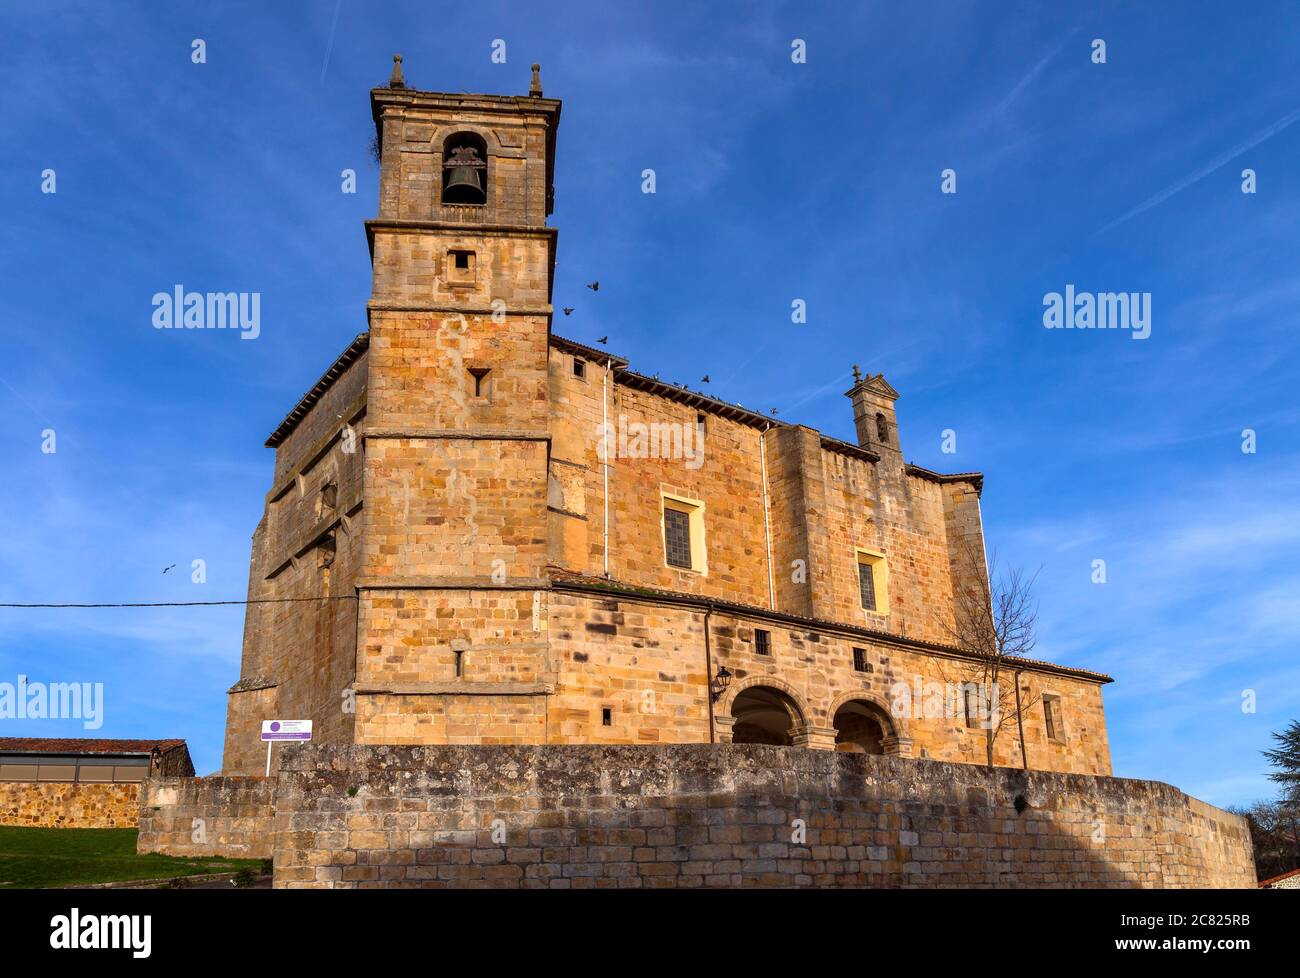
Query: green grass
(31,858)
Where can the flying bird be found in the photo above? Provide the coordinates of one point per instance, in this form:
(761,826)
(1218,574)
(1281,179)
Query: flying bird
(594,286)
(568,310)
(774,412)
(704,379)
(166,569)
(603,339)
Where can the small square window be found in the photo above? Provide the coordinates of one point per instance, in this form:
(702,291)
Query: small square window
(579,367)
(860,663)
(762,641)
(461,258)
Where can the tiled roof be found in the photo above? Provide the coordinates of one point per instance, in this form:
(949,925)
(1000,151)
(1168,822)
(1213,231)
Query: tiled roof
(82,745)
(1274,880)
(610,586)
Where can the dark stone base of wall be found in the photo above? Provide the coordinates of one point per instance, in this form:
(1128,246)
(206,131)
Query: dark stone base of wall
(723,815)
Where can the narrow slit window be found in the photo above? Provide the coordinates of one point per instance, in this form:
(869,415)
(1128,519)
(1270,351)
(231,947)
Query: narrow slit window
(460,664)
(606,717)
(677,538)
(969,706)
(1052,717)
(480,380)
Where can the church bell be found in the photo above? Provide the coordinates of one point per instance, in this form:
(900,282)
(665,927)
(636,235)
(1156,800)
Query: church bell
(464,184)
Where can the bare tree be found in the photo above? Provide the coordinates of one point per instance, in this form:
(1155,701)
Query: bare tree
(1274,835)
(994,621)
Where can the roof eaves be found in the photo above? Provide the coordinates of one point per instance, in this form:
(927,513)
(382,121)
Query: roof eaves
(609,585)
(345,359)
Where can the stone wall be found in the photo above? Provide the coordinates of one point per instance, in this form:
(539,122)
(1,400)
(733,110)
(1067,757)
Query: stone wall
(232,817)
(63,805)
(643,659)
(300,655)
(705,816)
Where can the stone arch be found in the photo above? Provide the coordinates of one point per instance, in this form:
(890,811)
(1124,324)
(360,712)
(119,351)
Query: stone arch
(882,428)
(863,724)
(465,155)
(740,685)
(763,710)
(442,133)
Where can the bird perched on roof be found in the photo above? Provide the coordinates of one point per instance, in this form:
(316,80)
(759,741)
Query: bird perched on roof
(568,310)
(603,339)
(594,286)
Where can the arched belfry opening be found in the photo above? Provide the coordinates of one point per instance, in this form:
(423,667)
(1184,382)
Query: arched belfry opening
(464,169)
(764,715)
(861,727)
(882,429)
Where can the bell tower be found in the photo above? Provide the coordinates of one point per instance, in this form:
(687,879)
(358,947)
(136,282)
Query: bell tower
(451,632)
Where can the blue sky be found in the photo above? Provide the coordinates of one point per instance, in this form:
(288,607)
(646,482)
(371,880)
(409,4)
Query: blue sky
(775,181)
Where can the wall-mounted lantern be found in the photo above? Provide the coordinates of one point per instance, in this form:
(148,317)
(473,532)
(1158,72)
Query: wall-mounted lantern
(720,683)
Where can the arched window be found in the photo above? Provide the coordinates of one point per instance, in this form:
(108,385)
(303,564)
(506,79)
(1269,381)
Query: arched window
(464,169)
(882,429)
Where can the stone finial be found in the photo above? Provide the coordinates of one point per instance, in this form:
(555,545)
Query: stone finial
(535,89)
(857,374)
(397,81)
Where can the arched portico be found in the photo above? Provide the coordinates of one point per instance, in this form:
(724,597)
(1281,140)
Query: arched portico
(862,724)
(762,710)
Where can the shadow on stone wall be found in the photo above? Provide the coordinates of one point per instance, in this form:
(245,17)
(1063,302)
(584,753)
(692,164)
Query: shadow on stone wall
(724,815)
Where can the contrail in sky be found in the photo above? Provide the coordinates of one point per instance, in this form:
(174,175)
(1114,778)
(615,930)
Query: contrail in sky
(330,46)
(1282,123)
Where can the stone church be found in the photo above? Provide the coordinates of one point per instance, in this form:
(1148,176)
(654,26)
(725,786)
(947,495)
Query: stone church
(496,535)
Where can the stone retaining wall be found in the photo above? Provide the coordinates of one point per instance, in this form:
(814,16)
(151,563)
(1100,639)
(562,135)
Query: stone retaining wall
(723,815)
(232,817)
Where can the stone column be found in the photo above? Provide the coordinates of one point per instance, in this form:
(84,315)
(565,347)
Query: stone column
(897,746)
(722,728)
(818,738)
